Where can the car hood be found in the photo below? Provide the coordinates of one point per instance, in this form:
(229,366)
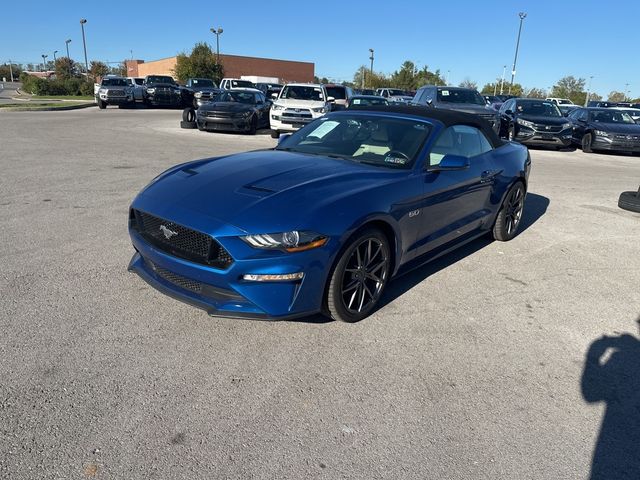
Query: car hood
(622,128)
(296,103)
(257,190)
(467,108)
(542,120)
(162,85)
(204,89)
(226,107)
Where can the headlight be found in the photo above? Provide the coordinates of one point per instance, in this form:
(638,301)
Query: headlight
(275,107)
(565,126)
(324,109)
(151,90)
(102,90)
(198,95)
(293,241)
(247,114)
(177,92)
(601,133)
(525,123)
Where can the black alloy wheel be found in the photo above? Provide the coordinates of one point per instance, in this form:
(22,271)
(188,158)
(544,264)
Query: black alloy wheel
(253,125)
(586,143)
(359,278)
(510,214)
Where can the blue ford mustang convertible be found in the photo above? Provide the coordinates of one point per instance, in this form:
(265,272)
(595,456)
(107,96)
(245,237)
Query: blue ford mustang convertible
(325,220)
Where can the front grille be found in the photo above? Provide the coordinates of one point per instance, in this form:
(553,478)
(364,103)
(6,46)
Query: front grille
(180,241)
(219,114)
(627,138)
(548,128)
(115,93)
(302,113)
(176,279)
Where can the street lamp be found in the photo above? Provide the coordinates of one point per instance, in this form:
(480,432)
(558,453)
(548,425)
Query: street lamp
(84,44)
(54,56)
(522,16)
(44,64)
(371,70)
(448,79)
(504,69)
(626,91)
(67,42)
(586,101)
(217,32)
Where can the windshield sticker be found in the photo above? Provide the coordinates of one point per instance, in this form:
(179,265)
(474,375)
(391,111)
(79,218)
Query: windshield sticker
(445,93)
(395,160)
(356,101)
(323,129)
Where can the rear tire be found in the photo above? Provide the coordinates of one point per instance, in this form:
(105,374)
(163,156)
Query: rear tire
(630,201)
(359,278)
(510,214)
(586,143)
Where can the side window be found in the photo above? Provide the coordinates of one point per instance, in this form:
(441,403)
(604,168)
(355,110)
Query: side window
(574,115)
(461,140)
(429,94)
(421,96)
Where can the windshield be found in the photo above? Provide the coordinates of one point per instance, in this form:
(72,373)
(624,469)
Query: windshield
(237,96)
(377,140)
(114,82)
(373,100)
(202,82)
(540,109)
(339,93)
(611,116)
(460,96)
(302,92)
(242,84)
(563,101)
(159,79)
(394,92)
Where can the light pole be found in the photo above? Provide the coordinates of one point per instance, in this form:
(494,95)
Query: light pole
(371,69)
(11,70)
(44,64)
(626,90)
(54,56)
(67,42)
(84,45)
(217,32)
(586,101)
(522,16)
(448,79)
(504,70)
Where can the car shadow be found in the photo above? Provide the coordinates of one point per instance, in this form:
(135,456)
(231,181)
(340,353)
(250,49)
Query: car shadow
(535,207)
(612,375)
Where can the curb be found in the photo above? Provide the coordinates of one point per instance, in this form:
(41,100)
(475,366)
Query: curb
(46,109)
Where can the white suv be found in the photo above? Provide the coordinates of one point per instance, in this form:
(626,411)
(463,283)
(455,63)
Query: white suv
(296,105)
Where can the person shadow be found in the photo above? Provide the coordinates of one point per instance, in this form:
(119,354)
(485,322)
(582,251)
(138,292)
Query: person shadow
(612,375)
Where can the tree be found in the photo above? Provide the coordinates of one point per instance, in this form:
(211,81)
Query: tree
(427,77)
(65,68)
(120,70)
(535,93)
(371,80)
(5,71)
(405,78)
(571,88)
(468,83)
(490,88)
(616,96)
(98,69)
(200,63)
(595,97)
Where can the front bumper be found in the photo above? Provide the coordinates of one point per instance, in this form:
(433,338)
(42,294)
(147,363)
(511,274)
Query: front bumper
(283,122)
(225,293)
(531,136)
(164,100)
(234,124)
(615,144)
(116,100)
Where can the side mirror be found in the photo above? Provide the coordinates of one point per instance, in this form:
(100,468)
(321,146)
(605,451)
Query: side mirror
(274,95)
(451,162)
(429,102)
(331,99)
(283,137)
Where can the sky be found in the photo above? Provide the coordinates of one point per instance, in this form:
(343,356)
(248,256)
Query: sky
(463,39)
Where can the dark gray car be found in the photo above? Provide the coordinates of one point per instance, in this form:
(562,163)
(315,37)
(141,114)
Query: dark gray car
(457,98)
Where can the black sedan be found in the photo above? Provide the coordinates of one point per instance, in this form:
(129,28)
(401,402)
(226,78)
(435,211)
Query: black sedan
(238,110)
(605,129)
(534,122)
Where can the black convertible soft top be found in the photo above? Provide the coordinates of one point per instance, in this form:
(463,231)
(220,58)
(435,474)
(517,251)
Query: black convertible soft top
(446,117)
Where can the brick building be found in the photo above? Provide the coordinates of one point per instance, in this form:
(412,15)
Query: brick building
(234,67)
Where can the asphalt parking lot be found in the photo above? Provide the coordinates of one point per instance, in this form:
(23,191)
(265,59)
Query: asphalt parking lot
(472,368)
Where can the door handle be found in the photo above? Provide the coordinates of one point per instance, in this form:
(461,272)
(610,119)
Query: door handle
(488,175)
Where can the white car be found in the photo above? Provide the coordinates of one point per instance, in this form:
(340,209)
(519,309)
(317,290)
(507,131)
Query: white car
(394,95)
(559,101)
(632,112)
(296,105)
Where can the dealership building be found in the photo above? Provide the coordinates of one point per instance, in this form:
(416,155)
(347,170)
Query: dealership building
(234,67)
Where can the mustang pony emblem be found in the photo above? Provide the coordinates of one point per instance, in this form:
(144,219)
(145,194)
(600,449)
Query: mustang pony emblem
(167,232)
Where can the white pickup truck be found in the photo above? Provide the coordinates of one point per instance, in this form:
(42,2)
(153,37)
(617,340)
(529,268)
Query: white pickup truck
(230,83)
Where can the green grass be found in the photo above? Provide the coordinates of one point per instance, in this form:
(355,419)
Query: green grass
(63,97)
(38,106)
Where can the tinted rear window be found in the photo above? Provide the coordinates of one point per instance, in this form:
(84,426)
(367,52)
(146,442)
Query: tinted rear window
(339,93)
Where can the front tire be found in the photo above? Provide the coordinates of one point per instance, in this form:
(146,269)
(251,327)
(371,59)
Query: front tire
(275,134)
(586,143)
(102,105)
(359,277)
(510,214)
(253,126)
